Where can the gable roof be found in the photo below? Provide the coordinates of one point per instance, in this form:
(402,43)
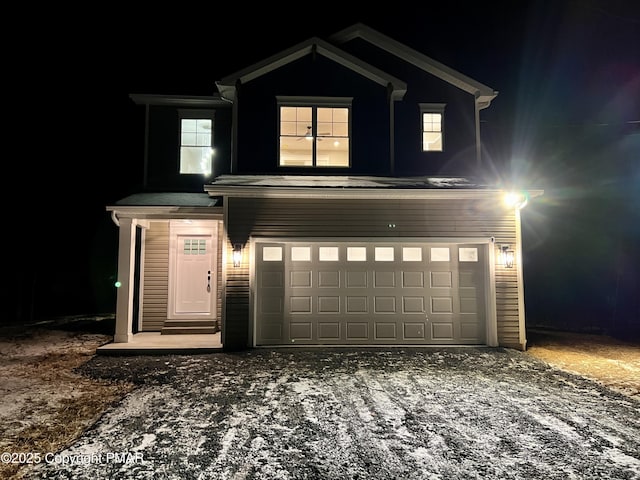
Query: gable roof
(227,85)
(483,94)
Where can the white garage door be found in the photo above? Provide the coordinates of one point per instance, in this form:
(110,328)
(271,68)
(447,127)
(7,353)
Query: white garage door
(370,293)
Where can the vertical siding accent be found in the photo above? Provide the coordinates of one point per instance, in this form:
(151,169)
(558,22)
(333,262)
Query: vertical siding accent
(219,275)
(308,217)
(156,276)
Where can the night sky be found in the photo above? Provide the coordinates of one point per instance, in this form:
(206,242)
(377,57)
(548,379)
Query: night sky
(567,119)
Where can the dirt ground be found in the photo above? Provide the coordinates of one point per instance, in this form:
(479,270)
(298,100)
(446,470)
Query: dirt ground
(604,359)
(45,404)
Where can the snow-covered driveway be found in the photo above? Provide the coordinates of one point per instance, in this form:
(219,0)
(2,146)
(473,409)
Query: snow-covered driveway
(450,413)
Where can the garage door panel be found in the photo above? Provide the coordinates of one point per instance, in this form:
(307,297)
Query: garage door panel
(357,279)
(386,331)
(357,304)
(329,279)
(414,330)
(441,279)
(384,305)
(271,279)
(270,305)
(300,304)
(374,292)
(357,331)
(469,330)
(271,332)
(384,279)
(329,305)
(412,279)
(300,279)
(301,331)
(441,305)
(442,331)
(329,331)
(413,305)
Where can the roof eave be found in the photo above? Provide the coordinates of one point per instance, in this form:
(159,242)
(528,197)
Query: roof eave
(179,100)
(352,193)
(227,85)
(483,94)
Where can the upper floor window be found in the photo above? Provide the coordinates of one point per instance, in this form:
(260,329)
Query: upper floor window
(432,115)
(314,133)
(195,142)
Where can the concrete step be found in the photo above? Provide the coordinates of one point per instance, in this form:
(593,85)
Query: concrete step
(188,327)
(188,330)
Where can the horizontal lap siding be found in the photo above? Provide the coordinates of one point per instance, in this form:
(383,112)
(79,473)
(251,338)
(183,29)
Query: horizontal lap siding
(156,276)
(302,217)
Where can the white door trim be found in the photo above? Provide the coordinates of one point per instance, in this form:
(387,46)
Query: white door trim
(191,227)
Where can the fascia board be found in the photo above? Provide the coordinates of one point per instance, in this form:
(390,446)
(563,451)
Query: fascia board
(178,100)
(165,211)
(482,92)
(305,48)
(355,193)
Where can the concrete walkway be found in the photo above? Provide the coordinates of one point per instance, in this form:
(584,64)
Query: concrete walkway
(153,343)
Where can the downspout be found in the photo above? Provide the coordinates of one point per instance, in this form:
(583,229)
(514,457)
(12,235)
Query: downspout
(521,312)
(234,130)
(392,129)
(480,105)
(145,173)
(230,95)
(478,143)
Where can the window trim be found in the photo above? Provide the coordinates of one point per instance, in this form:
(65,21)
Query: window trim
(195,114)
(314,103)
(432,108)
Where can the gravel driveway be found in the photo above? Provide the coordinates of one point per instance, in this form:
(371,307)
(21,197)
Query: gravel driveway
(445,413)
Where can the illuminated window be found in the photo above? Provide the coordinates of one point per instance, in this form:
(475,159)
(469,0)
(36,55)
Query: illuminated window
(432,116)
(315,133)
(193,246)
(195,142)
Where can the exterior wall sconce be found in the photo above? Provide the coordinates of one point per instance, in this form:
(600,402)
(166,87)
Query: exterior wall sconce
(237,255)
(507,256)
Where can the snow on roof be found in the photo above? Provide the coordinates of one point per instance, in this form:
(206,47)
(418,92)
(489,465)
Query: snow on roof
(168,199)
(329,181)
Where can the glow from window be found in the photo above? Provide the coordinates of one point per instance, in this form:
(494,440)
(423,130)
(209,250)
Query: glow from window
(432,132)
(326,131)
(195,146)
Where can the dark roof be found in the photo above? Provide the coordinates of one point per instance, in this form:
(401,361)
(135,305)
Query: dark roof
(167,199)
(343,181)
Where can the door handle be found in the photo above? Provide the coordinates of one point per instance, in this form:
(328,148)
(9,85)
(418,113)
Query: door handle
(209,281)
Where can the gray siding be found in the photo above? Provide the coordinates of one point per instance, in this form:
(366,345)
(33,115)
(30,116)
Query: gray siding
(296,218)
(156,276)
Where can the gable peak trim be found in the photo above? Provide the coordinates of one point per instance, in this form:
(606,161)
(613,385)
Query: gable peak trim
(482,93)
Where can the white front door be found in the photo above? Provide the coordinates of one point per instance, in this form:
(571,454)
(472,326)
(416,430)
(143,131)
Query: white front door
(192,275)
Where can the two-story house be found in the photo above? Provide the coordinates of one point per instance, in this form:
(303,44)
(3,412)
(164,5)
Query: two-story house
(328,195)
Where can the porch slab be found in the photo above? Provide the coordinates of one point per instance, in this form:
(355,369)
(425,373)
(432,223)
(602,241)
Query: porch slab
(154,343)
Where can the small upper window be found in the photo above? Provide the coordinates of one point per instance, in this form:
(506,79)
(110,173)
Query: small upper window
(314,133)
(432,116)
(196,143)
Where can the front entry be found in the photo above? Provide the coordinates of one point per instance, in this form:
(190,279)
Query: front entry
(192,277)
